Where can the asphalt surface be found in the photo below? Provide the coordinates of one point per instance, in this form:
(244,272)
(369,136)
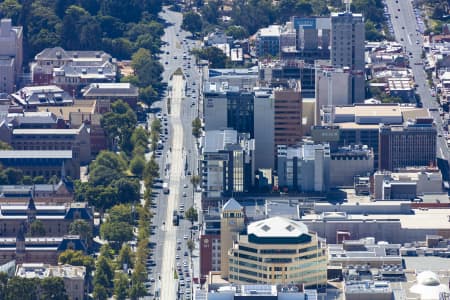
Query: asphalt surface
(176,160)
(407,26)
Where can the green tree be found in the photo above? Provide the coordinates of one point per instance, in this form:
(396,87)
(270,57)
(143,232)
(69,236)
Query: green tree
(237,32)
(195,180)
(77,258)
(83,229)
(116,233)
(191,214)
(146,68)
(37,229)
(151,171)
(192,22)
(104,273)
(39,180)
(156,125)
(120,286)
(3,145)
(127,190)
(3,284)
(121,213)
(191,246)
(53,288)
(137,165)
(214,55)
(21,288)
(100,292)
(125,256)
(139,137)
(137,291)
(10,9)
(107,167)
(196,127)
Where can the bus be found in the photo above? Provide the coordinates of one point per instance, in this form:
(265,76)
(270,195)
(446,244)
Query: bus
(165,187)
(175,218)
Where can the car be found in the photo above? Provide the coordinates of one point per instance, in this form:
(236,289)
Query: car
(403,27)
(185,253)
(189,172)
(167,52)
(178,248)
(193,83)
(417,42)
(398,9)
(185,185)
(152,279)
(401,39)
(185,237)
(174,57)
(177,257)
(179,242)
(396,17)
(184,194)
(166,63)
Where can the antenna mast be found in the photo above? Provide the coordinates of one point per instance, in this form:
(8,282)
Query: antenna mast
(347,5)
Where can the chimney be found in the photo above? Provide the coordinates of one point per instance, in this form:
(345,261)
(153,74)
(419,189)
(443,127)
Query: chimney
(5,27)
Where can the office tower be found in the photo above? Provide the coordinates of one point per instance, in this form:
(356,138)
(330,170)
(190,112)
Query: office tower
(264,109)
(288,114)
(278,250)
(347,49)
(410,145)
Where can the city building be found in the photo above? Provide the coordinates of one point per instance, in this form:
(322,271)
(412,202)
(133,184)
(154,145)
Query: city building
(210,256)
(304,168)
(43,95)
(347,49)
(48,139)
(55,219)
(232,220)
(72,70)
(348,162)
(394,221)
(46,163)
(257,291)
(268,41)
(364,251)
(263,126)
(279,72)
(244,79)
(407,184)
(227,163)
(278,251)
(402,88)
(11,55)
(409,145)
(360,124)
(85,113)
(288,126)
(112,92)
(73,276)
(228,107)
(374,290)
(57,194)
(37,249)
(333,88)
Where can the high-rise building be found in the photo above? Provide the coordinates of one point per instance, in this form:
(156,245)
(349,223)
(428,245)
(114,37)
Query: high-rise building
(227,165)
(410,145)
(278,250)
(304,168)
(288,115)
(231,225)
(347,49)
(11,55)
(264,109)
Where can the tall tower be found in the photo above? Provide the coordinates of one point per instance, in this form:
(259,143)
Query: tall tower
(347,48)
(232,222)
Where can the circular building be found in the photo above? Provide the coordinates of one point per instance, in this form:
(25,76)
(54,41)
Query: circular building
(278,250)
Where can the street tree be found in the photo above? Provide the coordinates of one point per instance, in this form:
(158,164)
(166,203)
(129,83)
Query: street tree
(192,22)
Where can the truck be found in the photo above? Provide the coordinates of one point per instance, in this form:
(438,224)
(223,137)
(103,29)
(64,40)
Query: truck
(165,187)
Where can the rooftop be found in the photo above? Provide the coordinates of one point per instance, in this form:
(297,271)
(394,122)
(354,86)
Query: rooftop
(277,227)
(24,154)
(40,270)
(111,90)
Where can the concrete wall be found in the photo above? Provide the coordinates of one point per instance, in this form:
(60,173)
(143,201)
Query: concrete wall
(342,172)
(264,132)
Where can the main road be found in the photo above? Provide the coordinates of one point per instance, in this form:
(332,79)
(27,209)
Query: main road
(177,161)
(407,31)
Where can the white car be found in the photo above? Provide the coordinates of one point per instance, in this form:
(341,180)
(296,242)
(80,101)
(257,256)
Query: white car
(185,237)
